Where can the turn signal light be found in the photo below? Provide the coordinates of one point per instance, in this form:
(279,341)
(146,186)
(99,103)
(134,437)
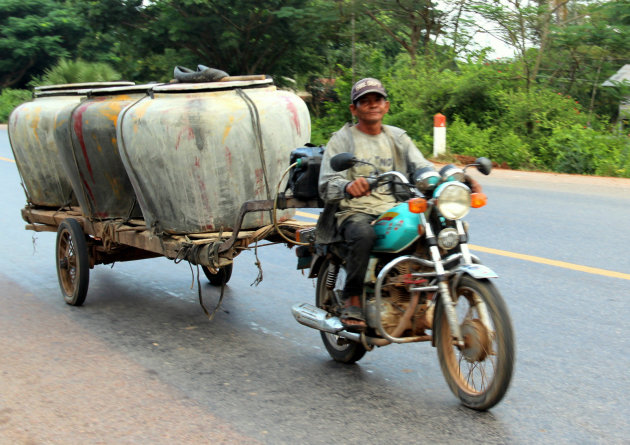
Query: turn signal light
(478,200)
(417,205)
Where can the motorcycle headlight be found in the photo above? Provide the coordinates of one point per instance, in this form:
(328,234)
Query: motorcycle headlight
(448,238)
(453,200)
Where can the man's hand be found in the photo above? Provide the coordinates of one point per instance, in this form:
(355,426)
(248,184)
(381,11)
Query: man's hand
(475,187)
(358,187)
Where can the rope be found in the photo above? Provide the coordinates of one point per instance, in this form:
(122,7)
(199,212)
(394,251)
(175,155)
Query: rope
(129,213)
(275,208)
(210,315)
(253,112)
(29,201)
(131,170)
(64,205)
(34,240)
(189,251)
(108,236)
(28,198)
(259,278)
(213,252)
(182,253)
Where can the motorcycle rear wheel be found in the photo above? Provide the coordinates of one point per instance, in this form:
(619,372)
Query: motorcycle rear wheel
(340,349)
(478,374)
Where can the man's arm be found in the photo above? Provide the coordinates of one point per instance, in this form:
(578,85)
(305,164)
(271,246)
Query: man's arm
(415,159)
(332,184)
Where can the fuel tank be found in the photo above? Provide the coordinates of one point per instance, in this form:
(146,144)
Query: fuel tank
(88,148)
(396,229)
(196,152)
(31,134)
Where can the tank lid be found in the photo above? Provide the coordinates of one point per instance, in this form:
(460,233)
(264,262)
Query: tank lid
(144,88)
(82,92)
(81,86)
(211,86)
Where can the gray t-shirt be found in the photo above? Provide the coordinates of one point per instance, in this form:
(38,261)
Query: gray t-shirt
(392,149)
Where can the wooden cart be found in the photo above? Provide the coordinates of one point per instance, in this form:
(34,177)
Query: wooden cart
(83,243)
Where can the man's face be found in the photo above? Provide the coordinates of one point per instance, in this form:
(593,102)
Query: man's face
(370,108)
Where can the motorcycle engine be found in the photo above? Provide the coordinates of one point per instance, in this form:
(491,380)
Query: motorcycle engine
(397,298)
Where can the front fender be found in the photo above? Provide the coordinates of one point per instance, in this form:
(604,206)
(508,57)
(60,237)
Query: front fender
(477,271)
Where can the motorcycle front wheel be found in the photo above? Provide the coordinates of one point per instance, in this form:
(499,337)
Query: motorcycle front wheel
(479,373)
(340,349)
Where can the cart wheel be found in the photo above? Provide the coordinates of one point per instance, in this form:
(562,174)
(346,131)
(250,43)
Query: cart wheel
(73,267)
(222,276)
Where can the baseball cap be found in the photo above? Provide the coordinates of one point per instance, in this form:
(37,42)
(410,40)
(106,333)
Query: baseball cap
(365,86)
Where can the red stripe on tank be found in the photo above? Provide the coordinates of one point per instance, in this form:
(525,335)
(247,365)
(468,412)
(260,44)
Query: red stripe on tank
(294,112)
(77,123)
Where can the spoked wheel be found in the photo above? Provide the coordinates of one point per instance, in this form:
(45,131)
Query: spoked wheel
(339,348)
(223,275)
(73,265)
(480,372)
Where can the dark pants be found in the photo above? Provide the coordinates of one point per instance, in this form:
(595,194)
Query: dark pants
(359,236)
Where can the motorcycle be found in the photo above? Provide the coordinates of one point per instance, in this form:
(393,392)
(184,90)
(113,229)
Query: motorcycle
(422,285)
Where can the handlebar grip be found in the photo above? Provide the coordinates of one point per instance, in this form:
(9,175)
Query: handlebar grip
(373,182)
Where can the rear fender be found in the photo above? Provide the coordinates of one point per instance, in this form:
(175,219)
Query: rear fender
(316,264)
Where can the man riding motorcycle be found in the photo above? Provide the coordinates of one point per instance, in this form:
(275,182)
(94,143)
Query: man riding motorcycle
(386,147)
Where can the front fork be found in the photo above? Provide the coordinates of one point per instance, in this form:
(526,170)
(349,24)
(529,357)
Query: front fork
(445,294)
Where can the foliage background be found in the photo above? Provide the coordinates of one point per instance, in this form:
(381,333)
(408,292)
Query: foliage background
(544,108)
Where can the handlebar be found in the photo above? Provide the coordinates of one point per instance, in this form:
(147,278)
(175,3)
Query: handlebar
(392,173)
(397,178)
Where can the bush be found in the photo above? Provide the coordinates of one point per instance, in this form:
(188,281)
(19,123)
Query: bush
(500,145)
(467,90)
(586,151)
(468,139)
(9,99)
(488,114)
(536,116)
(77,71)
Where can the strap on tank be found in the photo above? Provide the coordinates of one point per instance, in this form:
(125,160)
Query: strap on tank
(253,111)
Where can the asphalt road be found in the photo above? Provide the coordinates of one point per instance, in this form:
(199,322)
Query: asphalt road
(140,363)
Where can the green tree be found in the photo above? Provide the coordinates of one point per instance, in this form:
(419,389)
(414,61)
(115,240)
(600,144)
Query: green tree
(588,47)
(145,40)
(417,25)
(34,34)
(516,24)
(242,36)
(124,34)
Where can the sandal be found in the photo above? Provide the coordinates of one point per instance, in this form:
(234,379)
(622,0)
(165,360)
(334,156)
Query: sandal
(353,313)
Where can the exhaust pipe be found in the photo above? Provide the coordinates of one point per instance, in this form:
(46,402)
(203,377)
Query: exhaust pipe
(319,319)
